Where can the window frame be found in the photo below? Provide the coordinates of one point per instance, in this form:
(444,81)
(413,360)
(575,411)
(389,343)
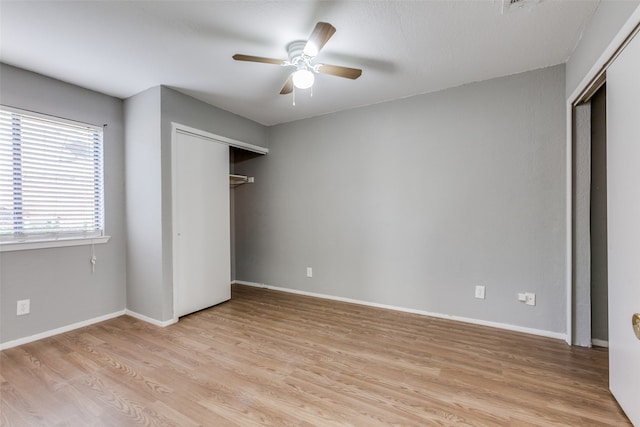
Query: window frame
(62,239)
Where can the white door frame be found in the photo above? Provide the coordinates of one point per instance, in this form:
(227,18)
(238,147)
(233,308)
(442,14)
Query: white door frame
(598,68)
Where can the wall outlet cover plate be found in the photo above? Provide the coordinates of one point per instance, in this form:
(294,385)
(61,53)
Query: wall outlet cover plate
(530,299)
(23,307)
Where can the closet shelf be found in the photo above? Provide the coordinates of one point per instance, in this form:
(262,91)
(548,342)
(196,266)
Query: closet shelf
(235,180)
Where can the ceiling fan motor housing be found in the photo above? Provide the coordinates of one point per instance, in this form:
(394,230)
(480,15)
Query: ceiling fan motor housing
(296,50)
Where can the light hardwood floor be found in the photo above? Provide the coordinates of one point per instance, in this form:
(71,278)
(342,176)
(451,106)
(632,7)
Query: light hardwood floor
(272,358)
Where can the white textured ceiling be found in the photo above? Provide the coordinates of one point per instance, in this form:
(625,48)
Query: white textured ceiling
(404,47)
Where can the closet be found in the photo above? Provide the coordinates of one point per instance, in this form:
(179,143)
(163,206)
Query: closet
(201,211)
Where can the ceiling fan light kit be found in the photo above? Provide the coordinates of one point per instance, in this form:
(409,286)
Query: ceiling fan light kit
(303,79)
(303,76)
(301,55)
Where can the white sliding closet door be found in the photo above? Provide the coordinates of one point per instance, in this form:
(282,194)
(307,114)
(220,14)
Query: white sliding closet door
(623,222)
(201,223)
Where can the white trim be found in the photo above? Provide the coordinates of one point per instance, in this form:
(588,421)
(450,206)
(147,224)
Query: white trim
(599,343)
(61,330)
(618,40)
(174,220)
(177,127)
(506,326)
(160,323)
(569,224)
(46,244)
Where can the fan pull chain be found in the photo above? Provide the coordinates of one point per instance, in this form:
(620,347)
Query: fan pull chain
(294,96)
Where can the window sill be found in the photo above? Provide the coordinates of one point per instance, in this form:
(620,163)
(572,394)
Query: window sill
(58,243)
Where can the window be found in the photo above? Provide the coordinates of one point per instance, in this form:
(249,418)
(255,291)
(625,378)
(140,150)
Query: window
(51,178)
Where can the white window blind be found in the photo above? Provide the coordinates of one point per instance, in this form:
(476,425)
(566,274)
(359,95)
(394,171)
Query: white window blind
(51,178)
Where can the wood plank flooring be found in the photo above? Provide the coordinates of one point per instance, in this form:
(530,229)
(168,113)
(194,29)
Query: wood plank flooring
(272,358)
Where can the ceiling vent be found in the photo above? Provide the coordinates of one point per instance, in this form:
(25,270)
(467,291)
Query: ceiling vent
(509,6)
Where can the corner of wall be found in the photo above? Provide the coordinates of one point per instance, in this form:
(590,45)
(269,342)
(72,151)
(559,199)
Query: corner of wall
(606,22)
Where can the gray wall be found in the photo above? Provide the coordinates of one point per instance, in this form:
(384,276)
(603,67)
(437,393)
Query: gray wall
(414,202)
(581,243)
(605,23)
(149,215)
(144,200)
(59,281)
(180,108)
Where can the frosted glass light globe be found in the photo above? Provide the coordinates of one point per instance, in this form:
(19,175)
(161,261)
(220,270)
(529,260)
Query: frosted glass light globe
(303,79)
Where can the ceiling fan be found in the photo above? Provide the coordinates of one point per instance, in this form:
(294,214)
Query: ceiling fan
(301,56)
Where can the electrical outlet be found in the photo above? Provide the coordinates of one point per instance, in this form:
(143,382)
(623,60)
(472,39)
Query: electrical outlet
(309,272)
(480,292)
(530,299)
(522,297)
(23,307)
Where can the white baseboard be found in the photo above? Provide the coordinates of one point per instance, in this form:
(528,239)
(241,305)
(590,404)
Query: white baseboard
(506,326)
(61,330)
(599,343)
(151,320)
(254,284)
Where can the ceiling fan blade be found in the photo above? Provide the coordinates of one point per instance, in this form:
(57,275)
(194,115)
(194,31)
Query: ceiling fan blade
(239,57)
(319,37)
(336,70)
(288,86)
